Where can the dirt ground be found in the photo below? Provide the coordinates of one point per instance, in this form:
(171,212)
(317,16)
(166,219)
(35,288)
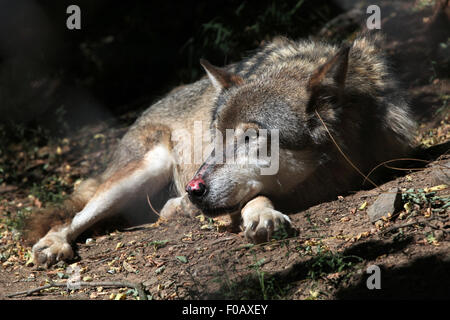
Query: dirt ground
(197,258)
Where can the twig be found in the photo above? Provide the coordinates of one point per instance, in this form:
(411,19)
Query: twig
(404,225)
(31,291)
(223,239)
(137,286)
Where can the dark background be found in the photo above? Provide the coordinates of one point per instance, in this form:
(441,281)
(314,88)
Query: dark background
(127,53)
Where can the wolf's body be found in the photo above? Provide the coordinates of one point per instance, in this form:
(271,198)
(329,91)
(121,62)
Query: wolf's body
(287,85)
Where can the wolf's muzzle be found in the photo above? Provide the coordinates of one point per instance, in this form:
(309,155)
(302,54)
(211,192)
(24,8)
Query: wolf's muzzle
(196,189)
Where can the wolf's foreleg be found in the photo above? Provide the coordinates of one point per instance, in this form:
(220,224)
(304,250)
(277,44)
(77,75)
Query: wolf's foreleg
(154,170)
(260,220)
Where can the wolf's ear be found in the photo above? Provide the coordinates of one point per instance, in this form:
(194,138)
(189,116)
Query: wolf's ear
(220,78)
(336,67)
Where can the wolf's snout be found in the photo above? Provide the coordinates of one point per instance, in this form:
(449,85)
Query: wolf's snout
(196,188)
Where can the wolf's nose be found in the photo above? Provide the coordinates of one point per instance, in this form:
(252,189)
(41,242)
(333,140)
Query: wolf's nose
(196,188)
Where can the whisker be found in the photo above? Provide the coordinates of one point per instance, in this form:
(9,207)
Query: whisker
(153,209)
(343,154)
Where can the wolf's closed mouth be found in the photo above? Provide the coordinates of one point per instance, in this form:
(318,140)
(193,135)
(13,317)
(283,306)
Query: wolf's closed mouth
(213,212)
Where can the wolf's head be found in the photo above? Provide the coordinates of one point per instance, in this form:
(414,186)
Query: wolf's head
(267,137)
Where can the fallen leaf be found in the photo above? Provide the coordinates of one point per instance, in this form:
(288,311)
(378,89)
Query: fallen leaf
(37,203)
(436,188)
(402,215)
(30,262)
(363,235)
(159,270)
(333,276)
(128,267)
(363,206)
(119,245)
(99,136)
(200,217)
(408,207)
(182,259)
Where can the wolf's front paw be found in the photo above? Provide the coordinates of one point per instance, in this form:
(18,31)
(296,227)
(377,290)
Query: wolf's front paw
(180,206)
(261,224)
(52,248)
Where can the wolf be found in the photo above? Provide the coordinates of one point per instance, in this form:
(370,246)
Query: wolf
(336,111)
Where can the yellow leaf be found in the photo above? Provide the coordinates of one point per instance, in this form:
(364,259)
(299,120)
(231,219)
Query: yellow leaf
(99,136)
(128,267)
(363,206)
(408,207)
(30,262)
(83,270)
(119,245)
(200,217)
(120,296)
(436,188)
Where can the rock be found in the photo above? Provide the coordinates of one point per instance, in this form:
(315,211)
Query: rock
(388,202)
(441,172)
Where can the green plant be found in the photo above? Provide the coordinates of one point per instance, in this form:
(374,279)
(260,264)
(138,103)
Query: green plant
(416,199)
(433,69)
(268,286)
(158,243)
(328,262)
(242,26)
(255,284)
(52,190)
(422,4)
(282,233)
(16,221)
(445,107)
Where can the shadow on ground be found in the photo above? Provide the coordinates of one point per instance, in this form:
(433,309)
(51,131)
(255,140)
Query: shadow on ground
(423,278)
